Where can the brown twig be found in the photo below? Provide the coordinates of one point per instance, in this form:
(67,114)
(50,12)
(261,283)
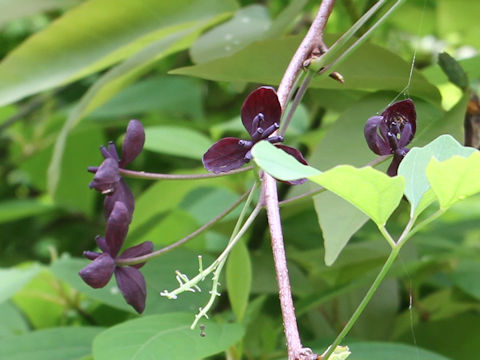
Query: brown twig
(312,42)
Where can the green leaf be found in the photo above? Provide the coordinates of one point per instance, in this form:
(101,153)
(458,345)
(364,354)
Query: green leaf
(247,25)
(156,93)
(65,343)
(414,165)
(159,275)
(13,322)
(465,277)
(390,351)
(339,220)
(371,191)
(239,279)
(176,141)
(454,179)
(279,164)
(371,67)
(166,335)
(453,70)
(95,35)
(11,210)
(13,279)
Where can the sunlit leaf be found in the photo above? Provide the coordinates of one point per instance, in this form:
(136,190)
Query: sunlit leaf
(95,35)
(371,191)
(413,166)
(454,179)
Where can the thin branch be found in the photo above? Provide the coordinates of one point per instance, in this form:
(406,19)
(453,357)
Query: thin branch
(312,41)
(140,259)
(158,176)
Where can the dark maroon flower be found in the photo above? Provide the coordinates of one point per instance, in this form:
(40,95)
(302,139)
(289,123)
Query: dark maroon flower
(261,113)
(107,179)
(98,273)
(392,131)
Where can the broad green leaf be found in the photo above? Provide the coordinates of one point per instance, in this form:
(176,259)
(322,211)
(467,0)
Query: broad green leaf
(465,277)
(239,279)
(413,167)
(95,35)
(436,76)
(15,9)
(13,322)
(156,93)
(371,67)
(65,343)
(454,179)
(371,191)
(390,351)
(159,275)
(247,25)
(41,301)
(166,335)
(11,210)
(339,220)
(179,141)
(13,279)
(112,82)
(279,164)
(286,18)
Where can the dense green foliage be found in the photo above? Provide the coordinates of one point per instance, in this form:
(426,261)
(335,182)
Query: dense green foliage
(75,72)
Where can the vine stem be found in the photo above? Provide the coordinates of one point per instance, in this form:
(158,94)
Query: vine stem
(159,176)
(312,41)
(143,258)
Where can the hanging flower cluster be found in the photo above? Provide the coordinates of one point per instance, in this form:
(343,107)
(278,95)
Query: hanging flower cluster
(118,205)
(261,113)
(392,131)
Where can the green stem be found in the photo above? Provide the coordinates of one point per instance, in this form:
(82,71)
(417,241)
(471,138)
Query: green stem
(206,226)
(387,236)
(158,176)
(378,280)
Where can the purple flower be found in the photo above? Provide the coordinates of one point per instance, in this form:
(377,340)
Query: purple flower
(260,115)
(392,131)
(98,273)
(107,179)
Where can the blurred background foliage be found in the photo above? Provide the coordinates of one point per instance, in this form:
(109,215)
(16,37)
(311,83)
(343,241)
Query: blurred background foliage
(74,72)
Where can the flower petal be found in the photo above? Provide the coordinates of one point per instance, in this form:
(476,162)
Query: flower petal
(404,109)
(123,194)
(225,155)
(297,155)
(117,228)
(131,283)
(133,142)
(97,274)
(375,142)
(106,177)
(138,250)
(264,101)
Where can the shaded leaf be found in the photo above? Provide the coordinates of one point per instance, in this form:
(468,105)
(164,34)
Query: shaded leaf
(13,279)
(147,337)
(239,279)
(66,343)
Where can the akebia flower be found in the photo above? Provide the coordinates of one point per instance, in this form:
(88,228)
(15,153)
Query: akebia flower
(392,131)
(98,273)
(107,179)
(261,113)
